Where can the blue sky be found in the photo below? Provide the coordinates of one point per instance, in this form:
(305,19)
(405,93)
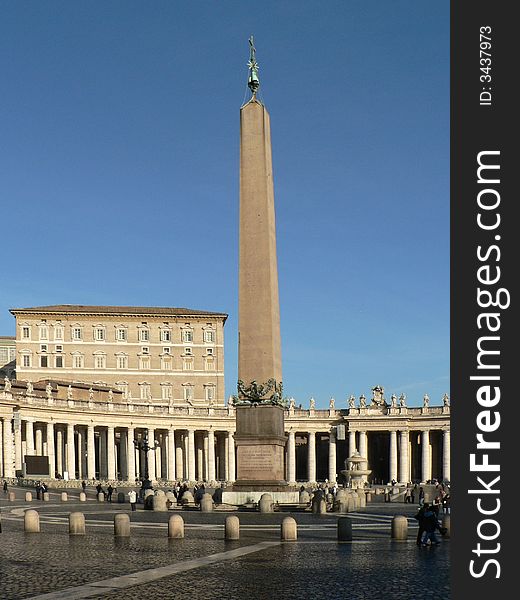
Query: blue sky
(119,173)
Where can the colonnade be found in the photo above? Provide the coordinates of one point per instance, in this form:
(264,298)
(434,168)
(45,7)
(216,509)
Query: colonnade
(112,452)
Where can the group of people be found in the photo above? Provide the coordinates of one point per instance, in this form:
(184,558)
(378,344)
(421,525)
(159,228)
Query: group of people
(99,489)
(428,525)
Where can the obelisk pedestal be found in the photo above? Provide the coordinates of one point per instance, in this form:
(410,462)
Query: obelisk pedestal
(260,442)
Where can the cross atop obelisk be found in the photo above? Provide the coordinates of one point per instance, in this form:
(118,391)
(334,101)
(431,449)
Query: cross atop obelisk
(259,352)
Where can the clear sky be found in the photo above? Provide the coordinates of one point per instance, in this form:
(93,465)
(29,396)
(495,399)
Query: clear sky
(119,150)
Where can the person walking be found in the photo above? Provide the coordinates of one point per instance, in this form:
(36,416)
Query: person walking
(132,496)
(419,517)
(110,490)
(5,486)
(421,496)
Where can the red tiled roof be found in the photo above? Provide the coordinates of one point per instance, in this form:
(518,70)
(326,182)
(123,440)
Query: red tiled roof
(109,310)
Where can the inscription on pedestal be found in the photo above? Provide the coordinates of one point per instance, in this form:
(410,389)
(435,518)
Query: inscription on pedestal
(260,462)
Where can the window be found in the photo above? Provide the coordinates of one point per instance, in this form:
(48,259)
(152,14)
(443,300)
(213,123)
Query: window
(188,392)
(209,351)
(210,393)
(188,351)
(145,391)
(43,361)
(144,335)
(187,335)
(43,347)
(166,363)
(44,332)
(122,362)
(209,336)
(145,350)
(123,387)
(166,391)
(59,362)
(166,350)
(26,360)
(78,361)
(209,364)
(144,363)
(121,334)
(59,348)
(99,334)
(100,361)
(187,364)
(58,332)
(166,335)
(77,333)
(26,332)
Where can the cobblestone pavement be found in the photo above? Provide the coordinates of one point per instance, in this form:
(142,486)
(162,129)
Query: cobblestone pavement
(315,566)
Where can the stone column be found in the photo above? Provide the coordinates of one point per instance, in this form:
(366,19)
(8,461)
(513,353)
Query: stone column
(103,459)
(446,475)
(29,437)
(425,456)
(18,445)
(81,453)
(111,456)
(157,454)
(123,454)
(203,455)
(393,455)
(91,453)
(363,450)
(171,454)
(38,440)
(226,458)
(351,443)
(71,456)
(130,452)
(8,448)
(332,457)
(50,449)
(231,457)
(59,450)
(291,458)
(179,459)
(191,455)
(404,462)
(151,454)
(311,456)
(211,456)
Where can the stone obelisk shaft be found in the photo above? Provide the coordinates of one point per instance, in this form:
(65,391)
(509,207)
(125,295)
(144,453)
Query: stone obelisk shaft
(259,352)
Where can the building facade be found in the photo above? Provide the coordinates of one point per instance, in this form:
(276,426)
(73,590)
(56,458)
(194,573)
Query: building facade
(7,356)
(148,353)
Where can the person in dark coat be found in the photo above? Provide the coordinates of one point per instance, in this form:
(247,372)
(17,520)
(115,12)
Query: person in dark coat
(419,517)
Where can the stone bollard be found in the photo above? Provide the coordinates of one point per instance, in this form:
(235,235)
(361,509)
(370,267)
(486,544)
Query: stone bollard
(232,528)
(206,503)
(266,503)
(187,498)
(344,529)
(446,523)
(289,530)
(399,528)
(82,497)
(76,523)
(121,497)
(31,521)
(64,497)
(101,497)
(12,497)
(28,496)
(46,496)
(158,501)
(175,527)
(122,525)
(305,497)
(319,506)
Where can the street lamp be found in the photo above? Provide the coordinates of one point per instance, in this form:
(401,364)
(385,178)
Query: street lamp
(143,445)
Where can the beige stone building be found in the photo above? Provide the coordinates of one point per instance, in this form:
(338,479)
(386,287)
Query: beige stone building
(7,356)
(172,355)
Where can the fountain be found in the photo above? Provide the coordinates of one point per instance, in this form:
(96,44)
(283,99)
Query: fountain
(355,473)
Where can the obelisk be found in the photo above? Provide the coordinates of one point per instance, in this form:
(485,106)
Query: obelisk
(260,436)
